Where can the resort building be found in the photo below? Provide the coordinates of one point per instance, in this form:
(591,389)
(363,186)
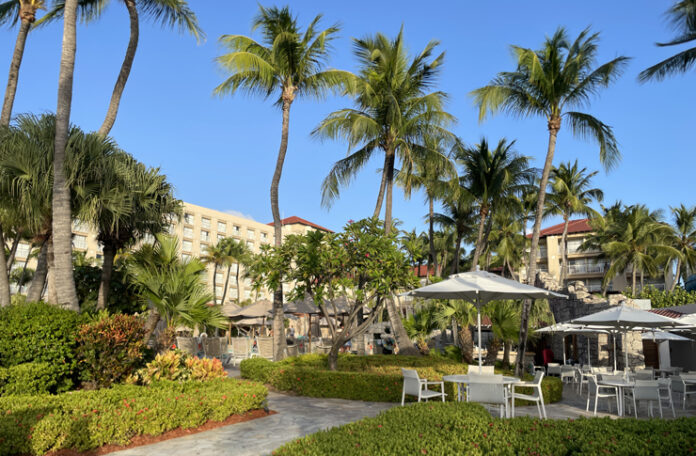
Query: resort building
(586,266)
(198,229)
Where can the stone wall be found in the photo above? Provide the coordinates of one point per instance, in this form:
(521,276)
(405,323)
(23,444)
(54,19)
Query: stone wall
(580,303)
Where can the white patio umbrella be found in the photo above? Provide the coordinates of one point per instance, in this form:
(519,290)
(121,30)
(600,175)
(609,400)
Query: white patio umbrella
(663,335)
(569,328)
(621,319)
(481,287)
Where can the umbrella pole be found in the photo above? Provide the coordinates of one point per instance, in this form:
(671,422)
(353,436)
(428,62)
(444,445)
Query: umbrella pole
(310,332)
(478,322)
(613,337)
(589,358)
(625,349)
(564,349)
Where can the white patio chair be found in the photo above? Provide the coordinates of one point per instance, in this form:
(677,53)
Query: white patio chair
(416,386)
(665,392)
(600,392)
(188,345)
(536,396)
(648,391)
(488,389)
(567,374)
(485,370)
(683,388)
(645,374)
(265,346)
(584,380)
(553,369)
(241,350)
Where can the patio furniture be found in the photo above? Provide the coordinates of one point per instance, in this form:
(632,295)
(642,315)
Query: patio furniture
(416,386)
(291,350)
(645,374)
(485,370)
(488,389)
(584,380)
(188,345)
(553,369)
(212,347)
(567,374)
(601,391)
(665,392)
(241,349)
(536,396)
(265,346)
(646,390)
(681,385)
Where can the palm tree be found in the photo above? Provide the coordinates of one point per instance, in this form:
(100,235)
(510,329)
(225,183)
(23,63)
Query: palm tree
(464,314)
(571,195)
(443,242)
(683,18)
(547,83)
(489,176)
(420,325)
(12,11)
(507,242)
(286,63)
(684,237)
(394,114)
(458,214)
(216,256)
(62,222)
(171,13)
(504,316)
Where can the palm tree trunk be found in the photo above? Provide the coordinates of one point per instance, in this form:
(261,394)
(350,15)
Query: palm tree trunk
(120,85)
(457,249)
(278,316)
(227,282)
(52,297)
(564,248)
(507,346)
(390,189)
(239,295)
(676,275)
(479,238)
(431,235)
(382,187)
(215,268)
(403,342)
(24,269)
(554,125)
(13,252)
(152,319)
(4,274)
(107,270)
(642,283)
(62,233)
(16,62)
(466,342)
(633,283)
(39,280)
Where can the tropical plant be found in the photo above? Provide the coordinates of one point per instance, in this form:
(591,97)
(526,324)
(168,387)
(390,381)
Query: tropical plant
(464,314)
(571,194)
(505,324)
(169,13)
(287,63)
(684,240)
(507,242)
(548,83)
(458,215)
(414,245)
(443,242)
(489,176)
(394,113)
(683,17)
(419,326)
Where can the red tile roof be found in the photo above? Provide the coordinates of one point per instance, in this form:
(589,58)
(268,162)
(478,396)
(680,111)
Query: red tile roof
(294,220)
(667,313)
(422,270)
(574,226)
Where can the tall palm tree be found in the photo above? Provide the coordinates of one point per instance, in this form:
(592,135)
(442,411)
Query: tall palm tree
(12,11)
(683,17)
(394,113)
(171,13)
(571,195)
(548,83)
(216,256)
(489,176)
(443,241)
(240,255)
(504,316)
(287,63)
(459,215)
(464,314)
(684,237)
(507,242)
(62,222)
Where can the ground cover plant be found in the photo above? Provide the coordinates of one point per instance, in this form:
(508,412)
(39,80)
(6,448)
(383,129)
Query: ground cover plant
(364,378)
(467,428)
(84,420)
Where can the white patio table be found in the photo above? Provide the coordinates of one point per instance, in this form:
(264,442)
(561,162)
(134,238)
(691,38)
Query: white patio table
(461,379)
(620,385)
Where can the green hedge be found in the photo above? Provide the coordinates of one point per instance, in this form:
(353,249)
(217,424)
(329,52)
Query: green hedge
(88,419)
(27,378)
(467,428)
(374,378)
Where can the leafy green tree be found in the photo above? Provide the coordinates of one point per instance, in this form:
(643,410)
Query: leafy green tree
(683,17)
(550,82)
(394,113)
(458,214)
(505,324)
(420,325)
(464,314)
(684,240)
(443,241)
(507,242)
(287,63)
(169,13)
(571,195)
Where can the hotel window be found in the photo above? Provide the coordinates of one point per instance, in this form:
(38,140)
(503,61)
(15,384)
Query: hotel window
(205,222)
(188,232)
(218,293)
(247,282)
(80,242)
(264,237)
(250,244)
(188,219)
(236,230)
(251,234)
(219,277)
(80,226)
(205,236)
(23,250)
(222,227)
(247,294)
(233,293)
(220,237)
(187,246)
(185,256)
(233,270)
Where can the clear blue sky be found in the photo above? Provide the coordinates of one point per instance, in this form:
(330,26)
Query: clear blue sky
(220,153)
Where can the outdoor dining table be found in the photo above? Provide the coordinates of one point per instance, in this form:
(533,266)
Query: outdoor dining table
(461,379)
(620,385)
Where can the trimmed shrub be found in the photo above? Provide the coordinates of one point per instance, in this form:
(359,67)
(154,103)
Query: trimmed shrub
(27,378)
(366,378)
(177,366)
(467,428)
(39,332)
(110,349)
(84,420)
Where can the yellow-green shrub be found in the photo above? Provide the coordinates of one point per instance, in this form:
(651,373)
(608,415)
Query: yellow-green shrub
(178,366)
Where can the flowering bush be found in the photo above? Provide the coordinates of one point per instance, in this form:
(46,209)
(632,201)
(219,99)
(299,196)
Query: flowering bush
(467,428)
(177,366)
(110,349)
(83,420)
